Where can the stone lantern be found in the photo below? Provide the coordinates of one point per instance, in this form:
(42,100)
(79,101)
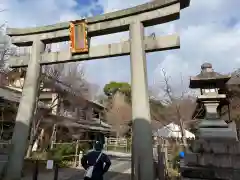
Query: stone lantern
(215,153)
(209,82)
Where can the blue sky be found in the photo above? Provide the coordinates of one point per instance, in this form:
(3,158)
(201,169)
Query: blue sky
(209,31)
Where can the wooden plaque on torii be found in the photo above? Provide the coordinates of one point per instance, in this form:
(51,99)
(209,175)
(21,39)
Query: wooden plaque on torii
(78,36)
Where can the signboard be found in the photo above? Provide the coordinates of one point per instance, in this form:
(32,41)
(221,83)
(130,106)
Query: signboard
(78,36)
(49,164)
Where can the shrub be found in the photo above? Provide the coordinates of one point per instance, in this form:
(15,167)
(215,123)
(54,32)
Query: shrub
(67,151)
(173,174)
(175,161)
(64,151)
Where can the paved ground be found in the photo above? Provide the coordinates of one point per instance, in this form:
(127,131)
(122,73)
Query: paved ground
(120,170)
(117,154)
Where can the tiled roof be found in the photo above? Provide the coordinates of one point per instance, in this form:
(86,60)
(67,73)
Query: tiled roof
(14,96)
(61,86)
(94,124)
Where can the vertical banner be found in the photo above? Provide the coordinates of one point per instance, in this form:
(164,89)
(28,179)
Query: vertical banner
(78,36)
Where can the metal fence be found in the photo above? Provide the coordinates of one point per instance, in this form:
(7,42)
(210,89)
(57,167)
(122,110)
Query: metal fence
(118,144)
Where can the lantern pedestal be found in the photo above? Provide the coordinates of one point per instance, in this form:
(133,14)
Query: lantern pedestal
(212,160)
(212,127)
(213,133)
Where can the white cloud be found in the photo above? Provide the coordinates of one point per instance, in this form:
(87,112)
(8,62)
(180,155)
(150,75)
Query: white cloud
(24,13)
(209,32)
(110,6)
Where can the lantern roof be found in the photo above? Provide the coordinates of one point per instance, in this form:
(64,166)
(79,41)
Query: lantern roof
(208,78)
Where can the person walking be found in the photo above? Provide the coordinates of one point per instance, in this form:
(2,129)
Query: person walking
(96,163)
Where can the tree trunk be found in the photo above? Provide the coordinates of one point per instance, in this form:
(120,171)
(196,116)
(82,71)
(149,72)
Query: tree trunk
(184,139)
(29,151)
(34,135)
(181,124)
(32,140)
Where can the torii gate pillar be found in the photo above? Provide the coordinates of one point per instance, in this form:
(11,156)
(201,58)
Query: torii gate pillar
(143,156)
(25,113)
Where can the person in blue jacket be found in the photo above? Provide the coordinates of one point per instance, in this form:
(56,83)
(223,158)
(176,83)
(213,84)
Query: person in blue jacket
(101,167)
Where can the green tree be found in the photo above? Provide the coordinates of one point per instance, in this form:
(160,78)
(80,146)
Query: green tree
(111,88)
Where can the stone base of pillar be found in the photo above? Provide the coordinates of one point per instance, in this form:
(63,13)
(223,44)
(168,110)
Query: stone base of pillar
(212,160)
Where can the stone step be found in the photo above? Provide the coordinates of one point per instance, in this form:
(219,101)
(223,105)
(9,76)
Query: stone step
(217,147)
(210,173)
(216,160)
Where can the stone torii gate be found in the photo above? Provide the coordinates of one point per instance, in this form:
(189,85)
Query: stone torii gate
(133,20)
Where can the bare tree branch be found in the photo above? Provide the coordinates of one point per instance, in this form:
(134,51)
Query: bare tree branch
(176,105)
(60,79)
